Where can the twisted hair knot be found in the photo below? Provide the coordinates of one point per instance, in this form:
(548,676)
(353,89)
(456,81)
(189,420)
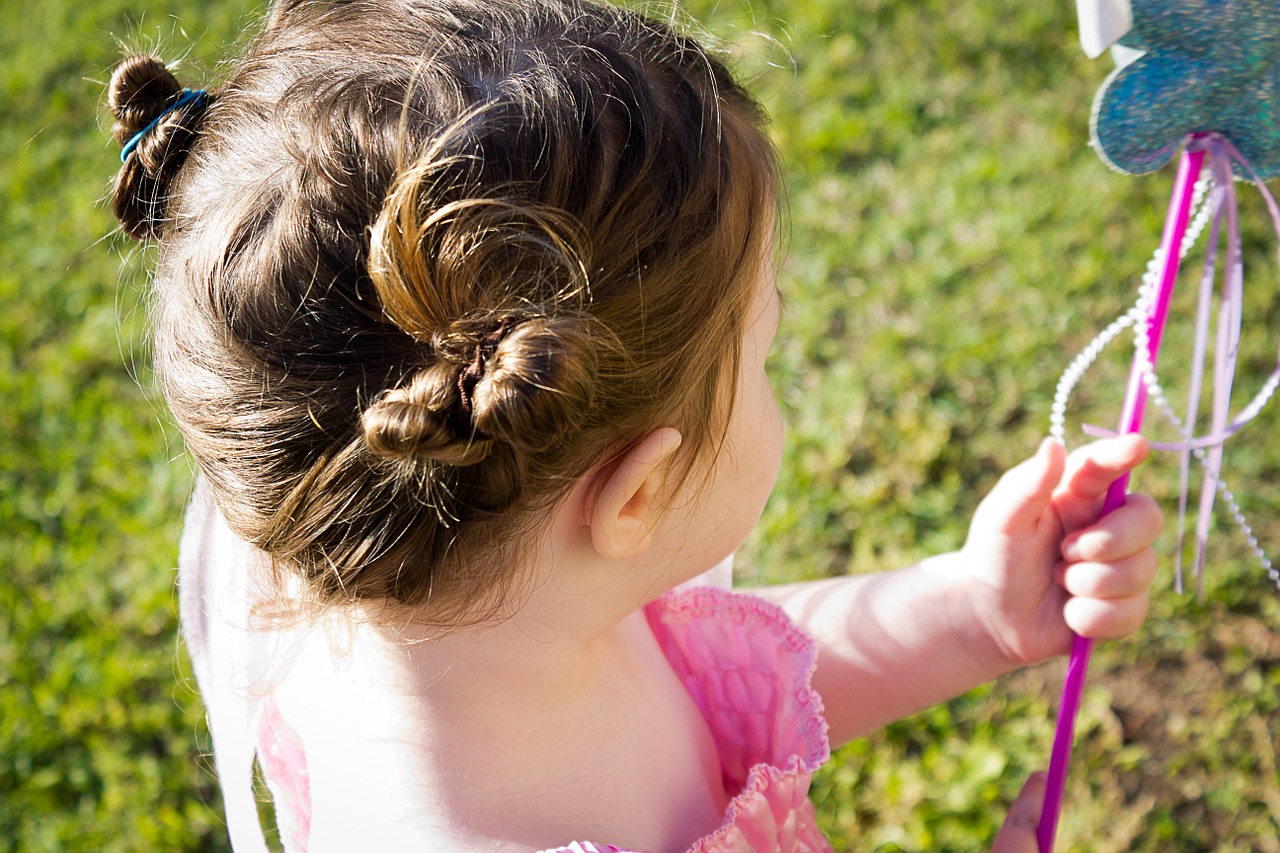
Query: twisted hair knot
(525,383)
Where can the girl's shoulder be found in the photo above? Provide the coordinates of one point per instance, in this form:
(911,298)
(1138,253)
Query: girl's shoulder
(748,668)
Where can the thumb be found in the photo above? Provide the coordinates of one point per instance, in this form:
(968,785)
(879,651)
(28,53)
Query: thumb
(1018,835)
(1024,492)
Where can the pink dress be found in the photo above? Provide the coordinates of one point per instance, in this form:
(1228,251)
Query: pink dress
(745,664)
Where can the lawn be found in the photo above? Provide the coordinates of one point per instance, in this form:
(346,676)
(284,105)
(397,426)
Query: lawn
(953,242)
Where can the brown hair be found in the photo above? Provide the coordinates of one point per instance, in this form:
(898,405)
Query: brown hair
(424,263)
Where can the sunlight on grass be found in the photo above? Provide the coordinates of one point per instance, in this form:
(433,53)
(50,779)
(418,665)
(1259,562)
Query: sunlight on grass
(953,242)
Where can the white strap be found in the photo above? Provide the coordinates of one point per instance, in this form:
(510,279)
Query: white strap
(214,574)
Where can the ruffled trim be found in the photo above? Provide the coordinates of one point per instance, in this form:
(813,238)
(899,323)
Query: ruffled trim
(750,671)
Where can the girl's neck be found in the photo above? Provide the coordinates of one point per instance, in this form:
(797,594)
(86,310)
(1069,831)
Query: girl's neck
(525,659)
(559,642)
(507,739)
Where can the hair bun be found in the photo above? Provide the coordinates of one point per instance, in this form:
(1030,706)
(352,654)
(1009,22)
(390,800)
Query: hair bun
(141,89)
(525,384)
(419,421)
(539,382)
(142,92)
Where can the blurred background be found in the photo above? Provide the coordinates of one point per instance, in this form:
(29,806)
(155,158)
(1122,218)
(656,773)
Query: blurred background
(953,243)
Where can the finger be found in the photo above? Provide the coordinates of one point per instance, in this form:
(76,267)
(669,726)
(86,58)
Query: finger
(1022,495)
(1103,619)
(1129,529)
(1018,835)
(1093,468)
(1109,581)
(1090,472)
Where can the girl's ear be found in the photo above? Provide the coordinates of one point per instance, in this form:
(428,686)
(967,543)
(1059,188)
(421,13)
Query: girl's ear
(628,500)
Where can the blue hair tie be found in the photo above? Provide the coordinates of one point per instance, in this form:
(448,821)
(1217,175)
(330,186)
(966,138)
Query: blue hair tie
(188,95)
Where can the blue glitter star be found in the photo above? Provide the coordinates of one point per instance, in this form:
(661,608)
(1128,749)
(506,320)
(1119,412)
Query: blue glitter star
(1209,65)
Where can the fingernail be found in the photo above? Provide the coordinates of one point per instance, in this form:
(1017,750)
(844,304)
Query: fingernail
(1070,548)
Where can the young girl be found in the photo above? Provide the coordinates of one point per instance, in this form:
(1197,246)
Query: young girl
(463,309)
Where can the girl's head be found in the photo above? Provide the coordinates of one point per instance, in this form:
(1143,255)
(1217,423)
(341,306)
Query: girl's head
(425,263)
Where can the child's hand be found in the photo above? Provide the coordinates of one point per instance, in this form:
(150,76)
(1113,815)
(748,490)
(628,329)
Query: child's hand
(1018,835)
(1044,564)
(1037,564)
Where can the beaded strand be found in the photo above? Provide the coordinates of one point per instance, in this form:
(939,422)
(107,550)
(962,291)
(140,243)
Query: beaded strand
(1136,317)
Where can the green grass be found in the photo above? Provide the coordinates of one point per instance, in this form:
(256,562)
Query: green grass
(954,241)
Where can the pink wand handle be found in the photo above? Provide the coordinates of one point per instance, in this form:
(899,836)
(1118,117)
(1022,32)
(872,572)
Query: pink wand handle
(1135,404)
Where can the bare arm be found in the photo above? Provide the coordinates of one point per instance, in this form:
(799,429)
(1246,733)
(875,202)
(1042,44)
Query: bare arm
(1037,565)
(888,644)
